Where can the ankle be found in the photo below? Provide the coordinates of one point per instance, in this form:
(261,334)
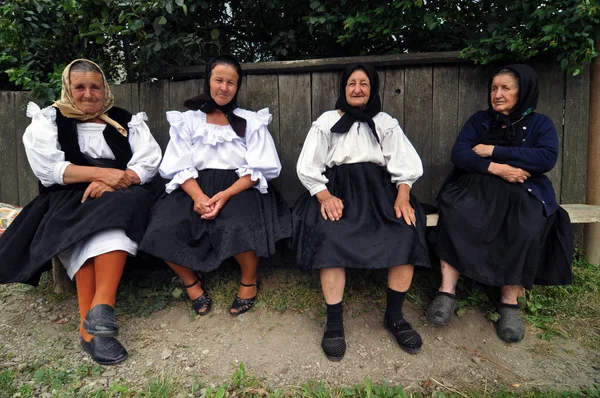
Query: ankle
(85,335)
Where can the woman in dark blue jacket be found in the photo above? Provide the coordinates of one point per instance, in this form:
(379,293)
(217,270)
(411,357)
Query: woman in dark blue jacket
(500,223)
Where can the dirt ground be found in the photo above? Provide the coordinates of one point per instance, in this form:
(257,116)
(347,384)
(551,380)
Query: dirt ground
(283,348)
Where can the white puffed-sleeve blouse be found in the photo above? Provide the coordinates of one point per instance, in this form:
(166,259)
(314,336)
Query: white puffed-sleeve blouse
(48,161)
(323,149)
(197,145)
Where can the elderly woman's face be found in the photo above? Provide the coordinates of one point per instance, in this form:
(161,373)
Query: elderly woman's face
(358,89)
(223,84)
(87,89)
(504,94)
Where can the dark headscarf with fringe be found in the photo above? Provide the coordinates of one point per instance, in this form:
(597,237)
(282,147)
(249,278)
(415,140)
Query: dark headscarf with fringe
(352,114)
(205,103)
(526,103)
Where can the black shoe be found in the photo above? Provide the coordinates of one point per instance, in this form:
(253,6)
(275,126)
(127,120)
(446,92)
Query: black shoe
(100,321)
(510,327)
(202,304)
(241,305)
(105,350)
(407,338)
(441,309)
(334,344)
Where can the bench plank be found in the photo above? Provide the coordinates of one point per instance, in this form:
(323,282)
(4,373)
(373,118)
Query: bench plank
(579,214)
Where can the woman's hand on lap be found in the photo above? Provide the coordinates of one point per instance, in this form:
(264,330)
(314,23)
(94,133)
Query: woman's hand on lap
(115,178)
(402,205)
(331,206)
(95,190)
(509,173)
(201,206)
(216,203)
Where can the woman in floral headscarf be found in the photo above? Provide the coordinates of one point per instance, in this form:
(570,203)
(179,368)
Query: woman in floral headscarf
(94,162)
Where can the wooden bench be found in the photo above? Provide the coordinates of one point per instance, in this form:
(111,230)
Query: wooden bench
(579,214)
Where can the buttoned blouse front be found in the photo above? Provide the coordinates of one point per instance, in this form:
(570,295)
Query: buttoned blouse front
(323,149)
(197,145)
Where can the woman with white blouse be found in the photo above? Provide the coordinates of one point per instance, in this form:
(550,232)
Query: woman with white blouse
(218,203)
(94,162)
(358,168)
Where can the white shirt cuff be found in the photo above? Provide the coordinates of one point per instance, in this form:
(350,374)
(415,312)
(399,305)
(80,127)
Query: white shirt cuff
(317,188)
(59,172)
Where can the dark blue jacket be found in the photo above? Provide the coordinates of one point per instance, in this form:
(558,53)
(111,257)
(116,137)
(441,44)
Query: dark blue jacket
(537,154)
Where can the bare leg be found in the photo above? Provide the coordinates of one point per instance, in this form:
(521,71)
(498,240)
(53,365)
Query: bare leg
(249,266)
(333,282)
(188,277)
(400,277)
(510,294)
(449,278)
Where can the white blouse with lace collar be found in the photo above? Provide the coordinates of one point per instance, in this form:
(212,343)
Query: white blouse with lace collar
(198,145)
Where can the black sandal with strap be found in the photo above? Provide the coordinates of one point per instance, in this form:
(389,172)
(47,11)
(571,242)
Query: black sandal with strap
(241,305)
(204,302)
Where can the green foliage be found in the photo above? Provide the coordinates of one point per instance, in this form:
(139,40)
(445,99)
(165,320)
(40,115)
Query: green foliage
(485,31)
(131,40)
(7,383)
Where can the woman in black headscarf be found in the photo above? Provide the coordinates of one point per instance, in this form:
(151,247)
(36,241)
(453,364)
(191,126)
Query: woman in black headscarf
(218,203)
(358,168)
(500,223)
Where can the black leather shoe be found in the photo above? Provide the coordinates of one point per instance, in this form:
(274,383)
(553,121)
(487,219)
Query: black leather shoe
(334,344)
(407,338)
(100,321)
(105,350)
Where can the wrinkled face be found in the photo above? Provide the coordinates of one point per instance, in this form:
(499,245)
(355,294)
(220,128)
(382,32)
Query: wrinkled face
(504,94)
(223,84)
(87,89)
(358,89)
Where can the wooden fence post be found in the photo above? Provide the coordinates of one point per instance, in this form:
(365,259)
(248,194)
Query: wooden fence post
(62,282)
(591,240)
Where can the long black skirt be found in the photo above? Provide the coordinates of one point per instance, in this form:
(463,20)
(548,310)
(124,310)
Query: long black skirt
(497,233)
(368,235)
(248,221)
(56,219)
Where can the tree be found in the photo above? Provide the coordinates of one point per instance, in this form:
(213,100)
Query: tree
(132,39)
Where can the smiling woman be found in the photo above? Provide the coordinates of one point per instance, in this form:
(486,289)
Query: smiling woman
(91,159)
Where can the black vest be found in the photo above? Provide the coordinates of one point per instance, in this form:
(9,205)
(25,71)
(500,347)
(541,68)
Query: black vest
(69,144)
(119,145)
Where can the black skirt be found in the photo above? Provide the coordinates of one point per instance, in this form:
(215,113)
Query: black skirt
(368,235)
(249,221)
(56,219)
(496,233)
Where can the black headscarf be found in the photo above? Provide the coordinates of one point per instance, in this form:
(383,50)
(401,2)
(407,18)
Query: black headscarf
(526,103)
(205,103)
(352,114)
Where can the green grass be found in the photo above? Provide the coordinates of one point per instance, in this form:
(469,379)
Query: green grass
(69,382)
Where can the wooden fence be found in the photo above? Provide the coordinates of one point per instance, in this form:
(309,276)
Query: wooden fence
(431,95)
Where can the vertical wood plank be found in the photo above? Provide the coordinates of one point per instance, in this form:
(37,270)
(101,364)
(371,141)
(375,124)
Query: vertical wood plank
(382,76)
(325,87)
(552,93)
(122,93)
(154,100)
(262,91)
(295,121)
(182,90)
(445,124)
(135,98)
(242,94)
(472,91)
(28,182)
(418,123)
(575,138)
(575,141)
(9,183)
(393,94)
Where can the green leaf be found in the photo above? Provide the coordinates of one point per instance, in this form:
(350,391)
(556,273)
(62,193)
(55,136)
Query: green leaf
(157,46)
(169,7)
(162,20)
(214,34)
(179,2)
(563,63)
(185,9)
